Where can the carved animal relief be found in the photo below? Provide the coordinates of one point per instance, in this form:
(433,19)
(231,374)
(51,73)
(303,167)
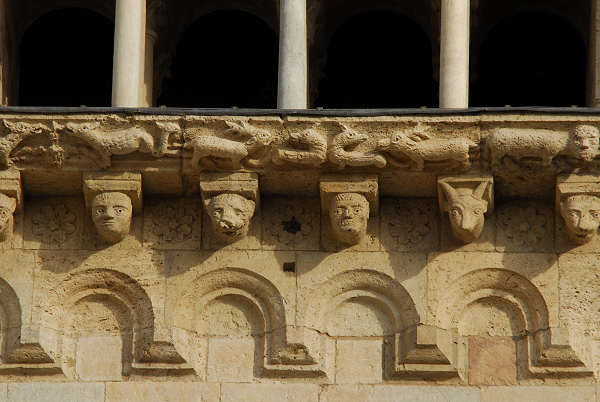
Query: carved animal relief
(111,213)
(230,215)
(342,151)
(412,151)
(249,146)
(307,147)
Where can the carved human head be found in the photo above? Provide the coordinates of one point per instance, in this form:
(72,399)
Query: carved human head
(582,217)
(111,213)
(349,215)
(230,215)
(584,141)
(466,208)
(7,209)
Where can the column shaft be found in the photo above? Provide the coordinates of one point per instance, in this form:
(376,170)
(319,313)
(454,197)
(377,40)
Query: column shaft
(454,55)
(293,56)
(130,49)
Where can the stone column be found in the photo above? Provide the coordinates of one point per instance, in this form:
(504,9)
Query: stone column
(128,63)
(593,84)
(293,56)
(454,54)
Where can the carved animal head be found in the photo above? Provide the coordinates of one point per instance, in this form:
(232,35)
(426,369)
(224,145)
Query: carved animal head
(7,209)
(230,215)
(25,128)
(78,128)
(466,209)
(349,215)
(350,137)
(582,217)
(111,213)
(584,141)
(260,137)
(400,140)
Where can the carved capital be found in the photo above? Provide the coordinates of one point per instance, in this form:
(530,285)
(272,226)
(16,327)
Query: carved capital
(466,199)
(230,201)
(578,202)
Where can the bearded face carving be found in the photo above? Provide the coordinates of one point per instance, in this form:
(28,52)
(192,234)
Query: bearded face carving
(582,217)
(7,209)
(230,215)
(349,215)
(111,213)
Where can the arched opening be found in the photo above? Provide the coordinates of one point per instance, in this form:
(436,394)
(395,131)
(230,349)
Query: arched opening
(533,59)
(225,59)
(378,60)
(66,60)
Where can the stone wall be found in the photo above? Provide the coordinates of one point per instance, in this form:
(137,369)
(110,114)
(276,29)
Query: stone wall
(257,296)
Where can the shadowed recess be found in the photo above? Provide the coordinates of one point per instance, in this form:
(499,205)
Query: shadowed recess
(533,59)
(225,59)
(378,60)
(66,60)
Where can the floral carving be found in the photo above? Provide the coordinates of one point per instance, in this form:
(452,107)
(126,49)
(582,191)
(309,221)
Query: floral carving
(175,222)
(54,223)
(409,226)
(290,224)
(524,226)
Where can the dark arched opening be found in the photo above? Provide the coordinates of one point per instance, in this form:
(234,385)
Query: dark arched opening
(66,60)
(378,60)
(533,59)
(225,59)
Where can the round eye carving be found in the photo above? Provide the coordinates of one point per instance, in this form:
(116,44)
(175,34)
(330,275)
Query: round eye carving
(455,212)
(357,210)
(477,212)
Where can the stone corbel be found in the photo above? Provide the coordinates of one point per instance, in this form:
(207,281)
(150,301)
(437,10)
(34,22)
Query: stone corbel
(112,199)
(578,202)
(230,201)
(466,199)
(347,203)
(11,201)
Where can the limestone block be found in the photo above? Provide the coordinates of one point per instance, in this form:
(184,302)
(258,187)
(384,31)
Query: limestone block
(492,361)
(580,303)
(269,392)
(525,226)
(291,223)
(358,361)
(409,224)
(538,394)
(54,223)
(18,268)
(231,359)
(162,392)
(56,392)
(105,366)
(10,185)
(398,393)
(173,224)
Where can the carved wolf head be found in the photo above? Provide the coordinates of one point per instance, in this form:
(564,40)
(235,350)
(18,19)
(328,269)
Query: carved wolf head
(466,209)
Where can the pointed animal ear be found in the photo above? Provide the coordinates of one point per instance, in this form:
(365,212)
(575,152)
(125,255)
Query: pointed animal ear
(480,190)
(449,192)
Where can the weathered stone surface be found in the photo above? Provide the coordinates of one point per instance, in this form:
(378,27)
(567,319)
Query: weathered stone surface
(385,393)
(162,392)
(538,394)
(492,361)
(358,361)
(56,392)
(269,392)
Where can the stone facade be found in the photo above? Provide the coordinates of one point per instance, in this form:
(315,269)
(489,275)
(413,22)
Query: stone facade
(208,257)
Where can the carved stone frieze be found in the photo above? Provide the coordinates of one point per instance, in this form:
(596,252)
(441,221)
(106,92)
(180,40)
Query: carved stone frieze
(307,147)
(409,224)
(173,224)
(54,223)
(525,225)
(342,150)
